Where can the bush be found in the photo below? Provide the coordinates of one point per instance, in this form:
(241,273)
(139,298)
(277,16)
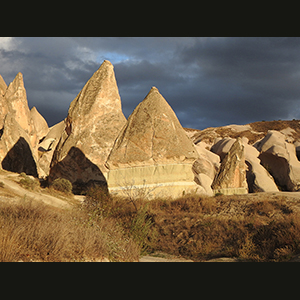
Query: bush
(98,200)
(62,185)
(140,230)
(28,182)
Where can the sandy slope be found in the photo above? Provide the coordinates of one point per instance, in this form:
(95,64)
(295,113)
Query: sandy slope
(13,191)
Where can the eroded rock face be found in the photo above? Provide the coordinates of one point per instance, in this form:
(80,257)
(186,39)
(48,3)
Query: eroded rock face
(279,158)
(94,120)
(231,178)
(152,152)
(3,102)
(17,104)
(258,178)
(206,167)
(47,147)
(39,123)
(16,153)
(18,138)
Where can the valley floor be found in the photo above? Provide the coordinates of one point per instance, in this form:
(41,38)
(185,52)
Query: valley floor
(252,227)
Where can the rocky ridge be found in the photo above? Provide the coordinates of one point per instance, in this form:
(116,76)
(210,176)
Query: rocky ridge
(95,144)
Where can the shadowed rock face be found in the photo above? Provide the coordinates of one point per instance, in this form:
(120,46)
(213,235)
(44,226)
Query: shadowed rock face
(94,120)
(19,159)
(152,152)
(75,162)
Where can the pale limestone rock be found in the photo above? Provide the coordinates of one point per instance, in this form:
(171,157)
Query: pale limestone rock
(94,120)
(39,122)
(222,146)
(47,146)
(18,106)
(206,167)
(3,102)
(153,153)
(279,158)
(3,86)
(258,178)
(231,178)
(18,138)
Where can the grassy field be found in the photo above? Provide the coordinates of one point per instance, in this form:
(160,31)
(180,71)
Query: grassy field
(257,227)
(31,231)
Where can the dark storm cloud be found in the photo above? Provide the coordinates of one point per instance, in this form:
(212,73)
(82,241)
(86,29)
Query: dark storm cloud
(207,81)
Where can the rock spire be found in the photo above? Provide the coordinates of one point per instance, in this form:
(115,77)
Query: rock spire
(94,120)
(152,151)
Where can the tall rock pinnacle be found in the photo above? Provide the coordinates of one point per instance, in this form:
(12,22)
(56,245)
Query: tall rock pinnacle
(94,120)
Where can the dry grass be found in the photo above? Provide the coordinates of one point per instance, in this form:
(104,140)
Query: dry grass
(202,228)
(256,228)
(36,232)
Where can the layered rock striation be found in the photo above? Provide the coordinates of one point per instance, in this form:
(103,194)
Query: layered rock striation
(152,153)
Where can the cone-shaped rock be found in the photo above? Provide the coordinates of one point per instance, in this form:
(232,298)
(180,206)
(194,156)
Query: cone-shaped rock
(17,102)
(3,86)
(3,102)
(18,138)
(152,152)
(231,178)
(39,122)
(94,120)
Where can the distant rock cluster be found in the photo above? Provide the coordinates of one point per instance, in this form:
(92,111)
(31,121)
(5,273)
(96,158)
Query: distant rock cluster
(150,154)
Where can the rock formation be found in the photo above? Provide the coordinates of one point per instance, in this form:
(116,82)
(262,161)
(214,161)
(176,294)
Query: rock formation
(39,123)
(47,146)
(258,178)
(152,152)
(279,158)
(231,178)
(18,106)
(206,167)
(18,138)
(94,120)
(3,102)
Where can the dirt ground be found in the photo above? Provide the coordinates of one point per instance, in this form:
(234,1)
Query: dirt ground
(12,191)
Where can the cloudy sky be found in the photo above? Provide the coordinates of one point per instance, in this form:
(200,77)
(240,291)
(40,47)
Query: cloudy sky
(207,81)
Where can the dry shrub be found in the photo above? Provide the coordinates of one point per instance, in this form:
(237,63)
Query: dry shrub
(62,185)
(35,232)
(28,183)
(202,228)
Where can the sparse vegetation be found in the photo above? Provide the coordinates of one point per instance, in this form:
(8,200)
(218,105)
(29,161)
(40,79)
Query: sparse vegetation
(62,185)
(36,232)
(28,183)
(202,228)
(256,228)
